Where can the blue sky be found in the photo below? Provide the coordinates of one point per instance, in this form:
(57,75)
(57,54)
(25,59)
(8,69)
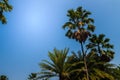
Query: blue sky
(34,28)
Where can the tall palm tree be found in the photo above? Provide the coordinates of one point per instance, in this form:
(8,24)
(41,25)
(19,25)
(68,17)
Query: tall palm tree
(57,66)
(103,53)
(80,27)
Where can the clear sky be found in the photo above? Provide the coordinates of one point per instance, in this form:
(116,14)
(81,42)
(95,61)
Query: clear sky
(34,28)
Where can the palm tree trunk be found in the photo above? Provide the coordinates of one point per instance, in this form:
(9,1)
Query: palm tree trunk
(60,77)
(86,69)
(84,59)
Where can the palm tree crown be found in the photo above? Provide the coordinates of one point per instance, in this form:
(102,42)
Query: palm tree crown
(57,66)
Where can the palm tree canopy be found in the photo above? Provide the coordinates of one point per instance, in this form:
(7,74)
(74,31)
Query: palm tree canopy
(79,25)
(57,66)
(101,46)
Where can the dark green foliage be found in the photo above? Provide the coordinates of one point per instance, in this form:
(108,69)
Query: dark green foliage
(101,46)
(57,66)
(82,29)
(116,72)
(96,70)
(32,76)
(96,53)
(79,25)
(4,7)
(3,77)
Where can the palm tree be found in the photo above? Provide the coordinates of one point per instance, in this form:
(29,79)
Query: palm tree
(103,53)
(57,66)
(79,28)
(101,46)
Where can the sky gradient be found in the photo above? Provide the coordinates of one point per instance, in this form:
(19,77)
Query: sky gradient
(35,27)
